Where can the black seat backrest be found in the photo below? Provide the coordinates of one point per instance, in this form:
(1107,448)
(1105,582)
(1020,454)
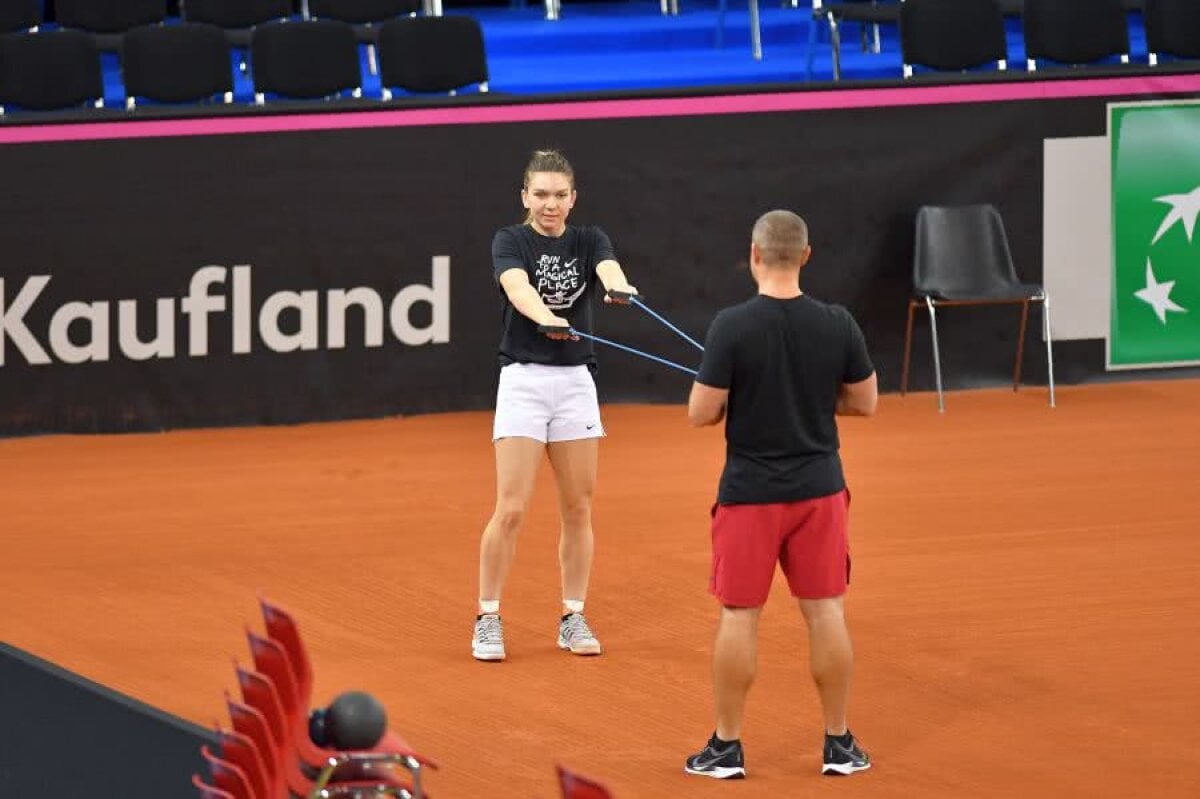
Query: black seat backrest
(108,16)
(176,63)
(962,252)
(432,54)
(237,14)
(1173,27)
(362,11)
(20,15)
(310,59)
(49,70)
(1075,31)
(952,34)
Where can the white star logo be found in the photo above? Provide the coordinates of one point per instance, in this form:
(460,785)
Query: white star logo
(1158,295)
(1184,208)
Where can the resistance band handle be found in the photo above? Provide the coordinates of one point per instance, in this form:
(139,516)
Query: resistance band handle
(561,329)
(624,297)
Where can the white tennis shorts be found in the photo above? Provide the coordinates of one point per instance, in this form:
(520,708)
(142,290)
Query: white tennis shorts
(546,403)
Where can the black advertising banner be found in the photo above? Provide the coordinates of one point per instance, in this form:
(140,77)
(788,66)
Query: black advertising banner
(198,275)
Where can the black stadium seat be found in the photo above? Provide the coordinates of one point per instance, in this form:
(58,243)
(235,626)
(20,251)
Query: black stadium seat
(432,54)
(237,17)
(108,20)
(305,59)
(50,70)
(1172,28)
(1075,32)
(180,63)
(20,15)
(952,34)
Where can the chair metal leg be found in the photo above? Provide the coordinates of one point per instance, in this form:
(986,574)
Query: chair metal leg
(937,359)
(1020,345)
(755,32)
(835,44)
(912,307)
(1049,349)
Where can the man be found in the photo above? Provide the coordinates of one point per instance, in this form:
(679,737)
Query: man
(778,368)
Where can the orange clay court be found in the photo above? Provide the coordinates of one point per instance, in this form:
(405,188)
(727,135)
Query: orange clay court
(1024,600)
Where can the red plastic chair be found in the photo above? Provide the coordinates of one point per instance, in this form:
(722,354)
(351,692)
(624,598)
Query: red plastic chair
(228,777)
(260,694)
(283,658)
(249,722)
(207,791)
(282,628)
(575,786)
(241,751)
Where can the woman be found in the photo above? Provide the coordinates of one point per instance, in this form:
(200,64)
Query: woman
(547,271)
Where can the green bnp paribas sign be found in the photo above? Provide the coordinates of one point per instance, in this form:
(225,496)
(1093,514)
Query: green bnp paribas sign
(1155,313)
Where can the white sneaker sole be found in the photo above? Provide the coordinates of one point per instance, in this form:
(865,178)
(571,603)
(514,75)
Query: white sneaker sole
(844,769)
(719,773)
(488,656)
(580,649)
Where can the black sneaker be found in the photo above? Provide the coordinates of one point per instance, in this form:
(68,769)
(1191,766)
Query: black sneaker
(717,760)
(844,756)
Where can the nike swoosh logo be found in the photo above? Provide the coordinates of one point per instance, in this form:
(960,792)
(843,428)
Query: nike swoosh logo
(570,263)
(590,426)
(710,762)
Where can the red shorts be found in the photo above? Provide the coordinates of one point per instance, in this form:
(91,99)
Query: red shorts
(808,539)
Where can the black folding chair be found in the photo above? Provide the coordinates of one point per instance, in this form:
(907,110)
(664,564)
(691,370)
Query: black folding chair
(182,63)
(962,259)
(1075,32)
(308,60)
(432,54)
(952,34)
(50,70)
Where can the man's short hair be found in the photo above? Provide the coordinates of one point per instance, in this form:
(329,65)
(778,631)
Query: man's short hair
(781,237)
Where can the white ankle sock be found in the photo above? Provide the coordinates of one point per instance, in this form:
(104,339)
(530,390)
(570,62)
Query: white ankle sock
(573,605)
(488,606)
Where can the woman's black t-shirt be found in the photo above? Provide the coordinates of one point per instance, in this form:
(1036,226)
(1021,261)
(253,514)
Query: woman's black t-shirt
(562,270)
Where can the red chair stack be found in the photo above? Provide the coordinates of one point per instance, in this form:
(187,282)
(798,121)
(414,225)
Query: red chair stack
(269,755)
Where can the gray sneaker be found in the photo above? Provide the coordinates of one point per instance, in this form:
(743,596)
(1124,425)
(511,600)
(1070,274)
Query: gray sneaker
(575,634)
(488,643)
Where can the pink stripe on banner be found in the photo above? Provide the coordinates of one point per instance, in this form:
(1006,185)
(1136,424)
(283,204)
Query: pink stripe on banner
(610,109)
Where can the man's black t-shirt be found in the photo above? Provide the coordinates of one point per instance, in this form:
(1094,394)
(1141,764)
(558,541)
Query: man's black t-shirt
(562,270)
(784,362)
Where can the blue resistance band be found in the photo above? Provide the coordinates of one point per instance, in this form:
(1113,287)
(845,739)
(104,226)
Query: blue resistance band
(664,361)
(633,300)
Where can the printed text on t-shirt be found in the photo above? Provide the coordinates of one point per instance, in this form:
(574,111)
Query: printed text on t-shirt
(560,284)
